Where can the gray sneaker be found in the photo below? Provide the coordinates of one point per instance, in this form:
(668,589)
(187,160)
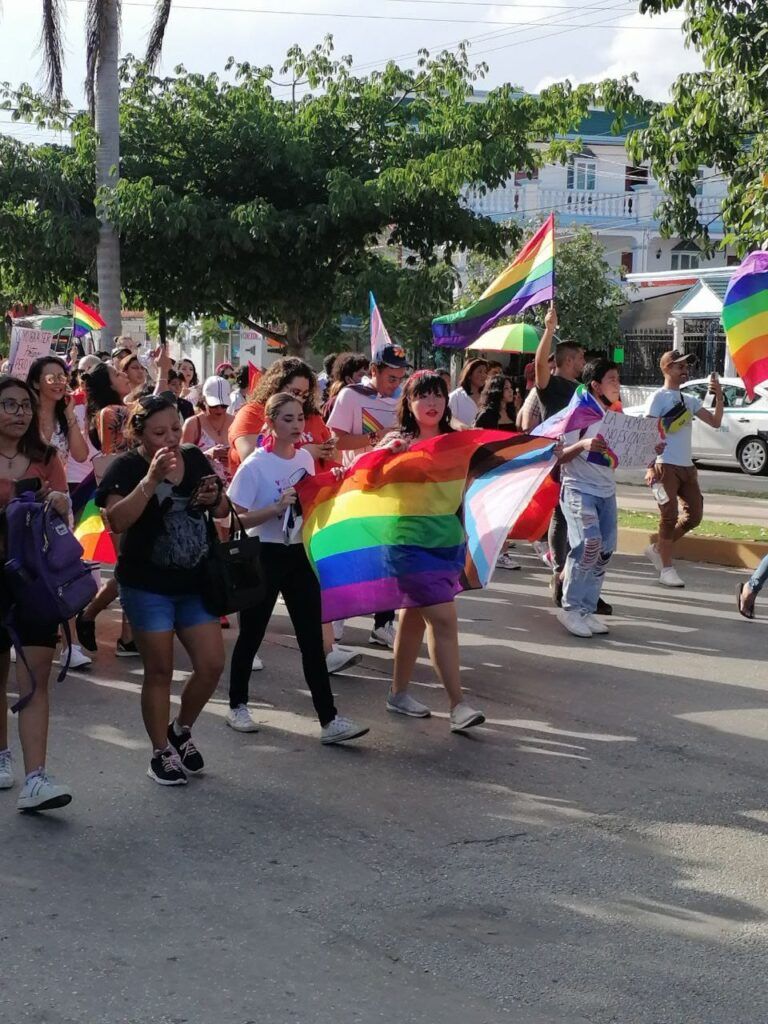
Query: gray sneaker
(464,716)
(405,704)
(341,729)
(6,769)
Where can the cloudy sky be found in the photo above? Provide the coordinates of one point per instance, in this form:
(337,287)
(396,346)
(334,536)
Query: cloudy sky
(526,42)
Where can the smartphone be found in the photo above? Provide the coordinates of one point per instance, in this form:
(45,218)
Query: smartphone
(203,480)
(31,483)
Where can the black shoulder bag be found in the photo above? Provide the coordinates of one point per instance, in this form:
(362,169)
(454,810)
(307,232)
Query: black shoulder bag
(233,575)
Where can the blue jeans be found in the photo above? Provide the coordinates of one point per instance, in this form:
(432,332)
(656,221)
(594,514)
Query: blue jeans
(758,578)
(592,526)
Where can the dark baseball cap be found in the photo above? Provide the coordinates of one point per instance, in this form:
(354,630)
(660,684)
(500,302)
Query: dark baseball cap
(391,355)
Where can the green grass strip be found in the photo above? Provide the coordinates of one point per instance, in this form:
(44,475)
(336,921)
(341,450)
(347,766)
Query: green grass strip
(708,528)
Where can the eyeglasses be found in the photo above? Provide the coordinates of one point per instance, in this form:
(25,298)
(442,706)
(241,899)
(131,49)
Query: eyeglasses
(11,407)
(55,378)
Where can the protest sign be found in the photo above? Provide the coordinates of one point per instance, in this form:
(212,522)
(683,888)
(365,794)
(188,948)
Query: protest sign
(632,440)
(27,345)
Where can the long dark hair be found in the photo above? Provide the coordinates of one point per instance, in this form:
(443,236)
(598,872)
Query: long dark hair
(465,377)
(492,397)
(419,385)
(194,382)
(31,443)
(33,379)
(99,395)
(277,378)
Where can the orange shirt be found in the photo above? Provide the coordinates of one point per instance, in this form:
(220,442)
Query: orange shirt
(250,420)
(51,472)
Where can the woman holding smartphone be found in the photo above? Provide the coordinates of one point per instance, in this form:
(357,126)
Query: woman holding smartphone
(263,493)
(28,464)
(155,496)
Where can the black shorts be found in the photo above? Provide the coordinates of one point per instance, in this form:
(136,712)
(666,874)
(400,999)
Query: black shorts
(31,634)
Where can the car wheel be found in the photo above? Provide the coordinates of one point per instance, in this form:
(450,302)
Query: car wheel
(753,456)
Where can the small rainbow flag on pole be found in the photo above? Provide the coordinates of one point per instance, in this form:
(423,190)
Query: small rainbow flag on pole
(745,319)
(527,281)
(85,319)
(409,530)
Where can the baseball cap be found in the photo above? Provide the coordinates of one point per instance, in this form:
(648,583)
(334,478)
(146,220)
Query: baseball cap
(222,368)
(675,356)
(216,391)
(391,355)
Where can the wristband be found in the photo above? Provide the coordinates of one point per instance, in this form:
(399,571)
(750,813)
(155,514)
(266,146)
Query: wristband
(142,488)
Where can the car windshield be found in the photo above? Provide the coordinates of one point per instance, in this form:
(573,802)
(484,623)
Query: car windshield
(734,395)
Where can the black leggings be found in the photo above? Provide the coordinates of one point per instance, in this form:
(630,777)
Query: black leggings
(288,572)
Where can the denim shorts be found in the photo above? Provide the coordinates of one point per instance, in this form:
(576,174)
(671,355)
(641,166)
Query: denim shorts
(148,612)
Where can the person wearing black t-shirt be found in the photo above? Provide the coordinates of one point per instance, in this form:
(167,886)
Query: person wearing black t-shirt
(155,496)
(555,389)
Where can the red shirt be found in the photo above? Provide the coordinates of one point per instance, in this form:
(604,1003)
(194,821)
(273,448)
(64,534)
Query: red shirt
(250,420)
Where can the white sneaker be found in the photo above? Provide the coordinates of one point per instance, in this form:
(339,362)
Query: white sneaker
(78,659)
(13,655)
(668,578)
(41,793)
(341,729)
(384,636)
(653,556)
(506,561)
(338,630)
(340,658)
(464,716)
(405,704)
(574,622)
(542,550)
(240,720)
(596,625)
(6,770)
(257,665)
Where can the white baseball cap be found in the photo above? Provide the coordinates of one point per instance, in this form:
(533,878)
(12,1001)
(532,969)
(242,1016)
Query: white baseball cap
(216,391)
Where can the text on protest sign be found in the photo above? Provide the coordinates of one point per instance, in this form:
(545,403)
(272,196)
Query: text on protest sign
(632,439)
(27,345)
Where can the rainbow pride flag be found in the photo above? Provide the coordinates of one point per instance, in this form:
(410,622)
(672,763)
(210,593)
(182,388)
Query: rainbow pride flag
(582,411)
(745,319)
(417,528)
(85,319)
(527,281)
(89,526)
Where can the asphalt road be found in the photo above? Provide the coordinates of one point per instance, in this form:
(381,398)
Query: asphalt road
(595,853)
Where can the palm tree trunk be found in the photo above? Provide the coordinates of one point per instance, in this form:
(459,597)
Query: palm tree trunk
(107,110)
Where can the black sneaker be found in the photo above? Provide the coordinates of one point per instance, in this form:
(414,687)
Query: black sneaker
(86,632)
(165,768)
(557,592)
(191,758)
(127,649)
(603,608)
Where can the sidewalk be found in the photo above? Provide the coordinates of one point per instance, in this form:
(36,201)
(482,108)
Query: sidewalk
(716,506)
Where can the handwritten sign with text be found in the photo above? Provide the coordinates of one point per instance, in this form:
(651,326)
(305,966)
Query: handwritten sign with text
(631,439)
(27,345)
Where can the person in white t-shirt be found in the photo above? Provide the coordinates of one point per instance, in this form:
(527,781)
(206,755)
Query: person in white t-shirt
(464,401)
(674,477)
(360,418)
(263,493)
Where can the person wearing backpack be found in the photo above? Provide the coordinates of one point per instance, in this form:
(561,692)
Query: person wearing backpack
(27,466)
(155,496)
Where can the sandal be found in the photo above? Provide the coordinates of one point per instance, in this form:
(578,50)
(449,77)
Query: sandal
(748,613)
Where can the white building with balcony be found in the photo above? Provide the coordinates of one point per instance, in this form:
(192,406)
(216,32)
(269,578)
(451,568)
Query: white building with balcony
(600,190)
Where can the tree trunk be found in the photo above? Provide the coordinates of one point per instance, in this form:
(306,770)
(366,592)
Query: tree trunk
(107,172)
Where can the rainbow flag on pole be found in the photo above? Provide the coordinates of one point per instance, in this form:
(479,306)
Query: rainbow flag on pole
(85,319)
(415,529)
(745,319)
(527,281)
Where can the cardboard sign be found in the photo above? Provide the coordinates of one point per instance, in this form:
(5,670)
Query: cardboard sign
(632,440)
(27,345)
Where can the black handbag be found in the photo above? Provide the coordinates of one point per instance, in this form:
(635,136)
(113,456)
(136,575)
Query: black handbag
(233,574)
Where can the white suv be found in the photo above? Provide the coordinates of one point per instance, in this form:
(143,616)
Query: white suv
(742,438)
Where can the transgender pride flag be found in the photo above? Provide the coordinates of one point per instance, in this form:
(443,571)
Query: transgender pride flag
(379,336)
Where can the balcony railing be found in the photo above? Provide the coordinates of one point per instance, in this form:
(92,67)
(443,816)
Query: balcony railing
(532,201)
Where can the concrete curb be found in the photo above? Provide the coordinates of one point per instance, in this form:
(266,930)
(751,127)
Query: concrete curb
(740,554)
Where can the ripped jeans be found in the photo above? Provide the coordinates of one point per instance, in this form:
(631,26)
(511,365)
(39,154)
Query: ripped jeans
(592,525)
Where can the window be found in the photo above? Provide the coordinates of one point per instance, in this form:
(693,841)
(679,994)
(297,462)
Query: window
(635,176)
(582,174)
(685,260)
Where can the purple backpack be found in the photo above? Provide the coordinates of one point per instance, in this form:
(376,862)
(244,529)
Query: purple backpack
(44,571)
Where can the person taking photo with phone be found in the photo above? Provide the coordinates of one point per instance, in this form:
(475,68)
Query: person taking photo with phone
(674,478)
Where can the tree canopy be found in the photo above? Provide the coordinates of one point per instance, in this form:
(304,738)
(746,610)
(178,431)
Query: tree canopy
(233,202)
(589,300)
(717,118)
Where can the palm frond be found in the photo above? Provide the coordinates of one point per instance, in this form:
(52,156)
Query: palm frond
(95,29)
(52,45)
(155,43)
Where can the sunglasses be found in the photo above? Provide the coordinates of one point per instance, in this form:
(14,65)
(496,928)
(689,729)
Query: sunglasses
(55,378)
